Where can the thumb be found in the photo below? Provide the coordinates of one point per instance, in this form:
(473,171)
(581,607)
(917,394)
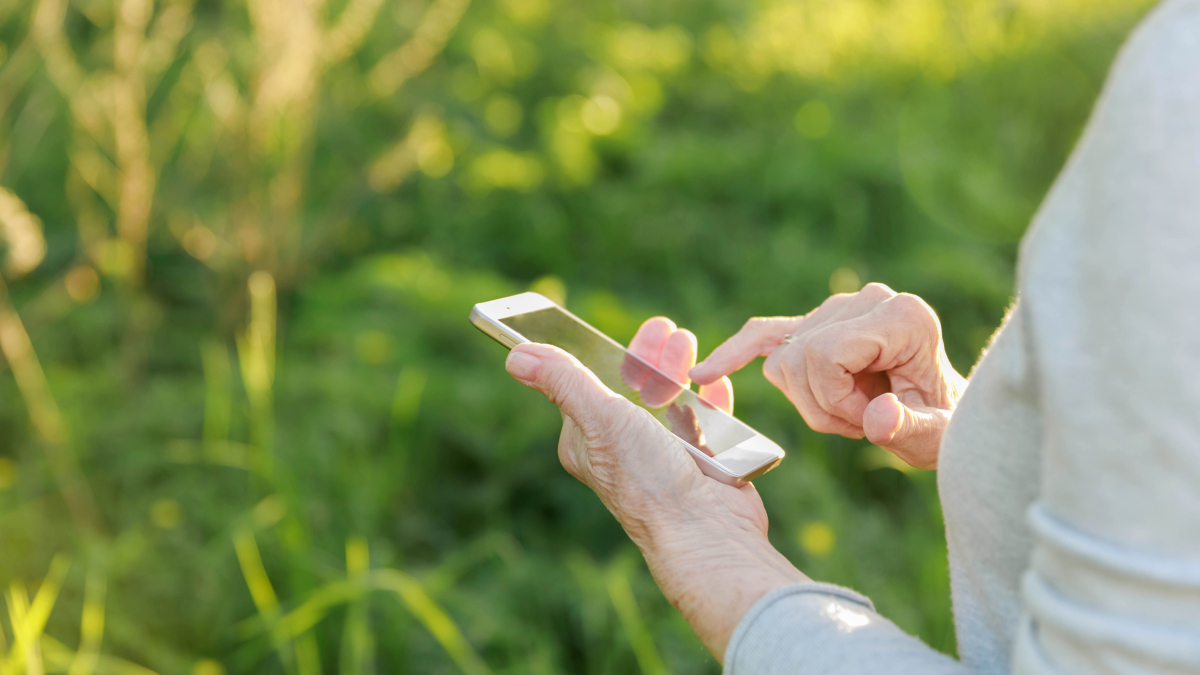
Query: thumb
(566,382)
(912,434)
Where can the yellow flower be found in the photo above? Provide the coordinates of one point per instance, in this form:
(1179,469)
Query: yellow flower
(817,538)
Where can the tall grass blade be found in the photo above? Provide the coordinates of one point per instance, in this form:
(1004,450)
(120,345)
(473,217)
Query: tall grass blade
(358,641)
(45,415)
(28,620)
(631,621)
(410,593)
(594,609)
(256,355)
(308,658)
(58,658)
(428,40)
(409,388)
(218,394)
(434,618)
(47,594)
(261,590)
(254,573)
(92,625)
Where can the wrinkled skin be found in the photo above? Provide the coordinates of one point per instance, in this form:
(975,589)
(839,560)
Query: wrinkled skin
(867,364)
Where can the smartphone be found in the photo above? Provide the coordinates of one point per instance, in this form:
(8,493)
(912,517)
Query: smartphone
(724,448)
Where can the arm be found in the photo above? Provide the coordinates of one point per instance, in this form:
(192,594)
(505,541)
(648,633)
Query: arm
(706,542)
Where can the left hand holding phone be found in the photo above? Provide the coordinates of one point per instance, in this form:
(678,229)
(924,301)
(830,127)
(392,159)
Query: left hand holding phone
(682,521)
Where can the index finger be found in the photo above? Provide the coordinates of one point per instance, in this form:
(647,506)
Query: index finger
(759,337)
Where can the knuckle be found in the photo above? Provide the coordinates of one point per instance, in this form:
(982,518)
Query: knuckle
(795,354)
(793,362)
(610,423)
(909,302)
(773,372)
(559,385)
(821,344)
(876,291)
(916,309)
(565,386)
(831,302)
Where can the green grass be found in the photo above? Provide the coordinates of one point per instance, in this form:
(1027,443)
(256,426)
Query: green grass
(238,390)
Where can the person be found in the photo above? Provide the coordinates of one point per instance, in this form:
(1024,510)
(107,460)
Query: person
(1068,464)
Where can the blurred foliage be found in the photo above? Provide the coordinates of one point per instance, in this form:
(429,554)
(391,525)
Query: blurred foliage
(244,425)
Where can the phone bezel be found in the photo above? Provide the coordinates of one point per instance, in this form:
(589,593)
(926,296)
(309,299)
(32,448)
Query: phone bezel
(739,465)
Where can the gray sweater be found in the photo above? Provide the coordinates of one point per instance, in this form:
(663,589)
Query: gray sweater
(1070,474)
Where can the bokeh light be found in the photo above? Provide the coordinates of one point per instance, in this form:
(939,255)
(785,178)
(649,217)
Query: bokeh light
(8,473)
(817,538)
(208,667)
(600,115)
(844,280)
(82,283)
(166,514)
(503,115)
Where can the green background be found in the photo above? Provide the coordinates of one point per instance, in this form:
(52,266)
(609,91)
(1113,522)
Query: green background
(245,426)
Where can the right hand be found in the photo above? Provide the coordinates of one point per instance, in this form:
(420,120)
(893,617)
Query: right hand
(869,364)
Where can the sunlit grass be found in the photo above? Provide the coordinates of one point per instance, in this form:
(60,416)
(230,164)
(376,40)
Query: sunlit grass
(360,581)
(33,652)
(210,393)
(639,637)
(256,356)
(298,653)
(44,414)
(834,39)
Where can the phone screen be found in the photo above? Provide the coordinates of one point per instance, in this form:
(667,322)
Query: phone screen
(699,423)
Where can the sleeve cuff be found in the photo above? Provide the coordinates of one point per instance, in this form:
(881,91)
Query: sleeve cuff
(822,629)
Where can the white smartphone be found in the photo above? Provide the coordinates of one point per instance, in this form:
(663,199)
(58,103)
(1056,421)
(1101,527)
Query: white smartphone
(724,448)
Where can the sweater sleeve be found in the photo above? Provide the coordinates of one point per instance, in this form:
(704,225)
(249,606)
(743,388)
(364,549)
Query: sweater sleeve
(1114,581)
(814,628)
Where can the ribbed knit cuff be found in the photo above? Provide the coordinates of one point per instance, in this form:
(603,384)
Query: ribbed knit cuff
(822,629)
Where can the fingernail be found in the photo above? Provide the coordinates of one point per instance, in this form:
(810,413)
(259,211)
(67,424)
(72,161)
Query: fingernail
(524,367)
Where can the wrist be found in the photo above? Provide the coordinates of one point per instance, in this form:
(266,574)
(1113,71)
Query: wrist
(687,547)
(713,569)
(691,530)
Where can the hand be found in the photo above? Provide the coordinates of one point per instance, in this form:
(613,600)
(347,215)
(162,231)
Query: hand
(869,363)
(705,542)
(639,469)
